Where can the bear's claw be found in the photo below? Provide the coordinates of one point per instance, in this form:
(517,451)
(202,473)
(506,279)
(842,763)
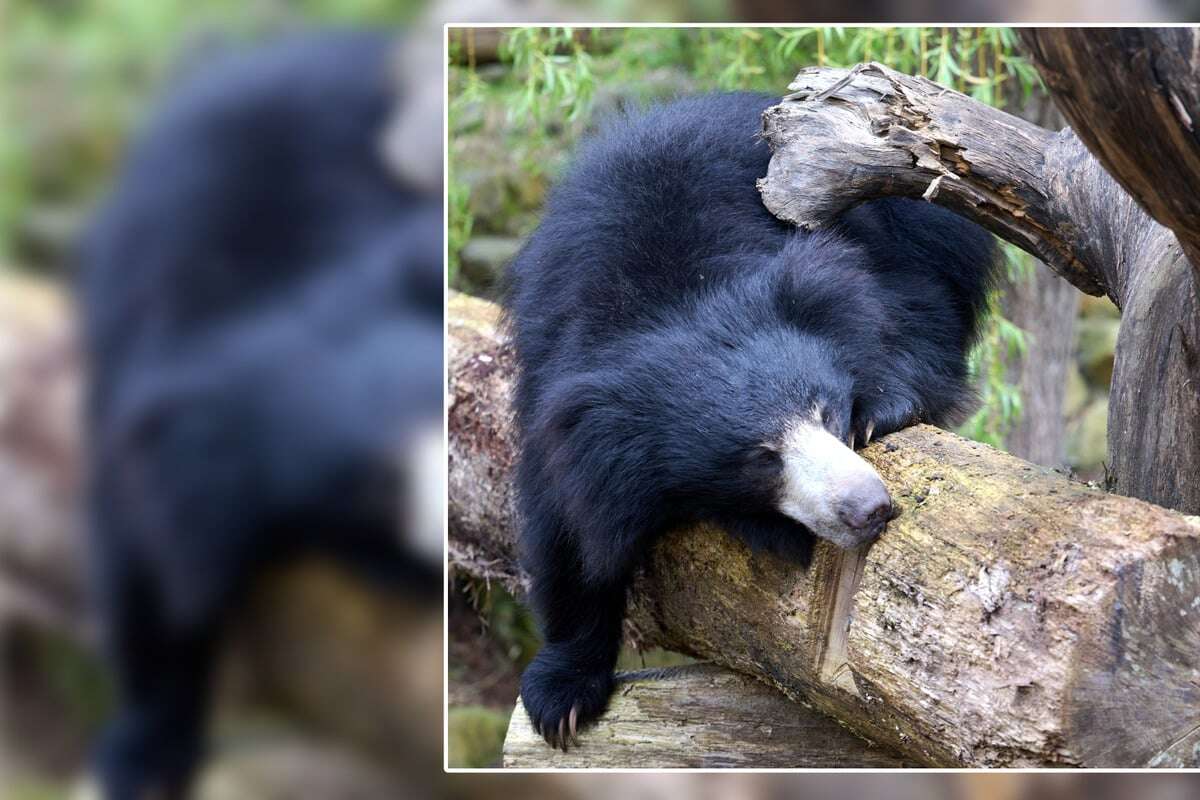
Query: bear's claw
(561,695)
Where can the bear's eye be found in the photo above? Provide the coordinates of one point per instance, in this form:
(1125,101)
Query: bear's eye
(836,421)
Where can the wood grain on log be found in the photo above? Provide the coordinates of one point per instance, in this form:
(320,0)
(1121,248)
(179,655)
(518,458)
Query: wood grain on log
(701,716)
(1009,617)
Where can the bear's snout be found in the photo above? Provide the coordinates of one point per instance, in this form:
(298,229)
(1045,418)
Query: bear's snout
(865,508)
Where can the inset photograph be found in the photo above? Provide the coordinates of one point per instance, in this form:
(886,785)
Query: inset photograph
(823,397)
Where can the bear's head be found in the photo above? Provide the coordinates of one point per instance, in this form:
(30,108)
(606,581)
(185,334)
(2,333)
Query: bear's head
(757,424)
(725,421)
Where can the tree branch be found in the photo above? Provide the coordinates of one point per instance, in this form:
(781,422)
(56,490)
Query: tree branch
(843,137)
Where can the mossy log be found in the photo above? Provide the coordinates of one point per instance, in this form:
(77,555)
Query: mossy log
(701,716)
(1010,617)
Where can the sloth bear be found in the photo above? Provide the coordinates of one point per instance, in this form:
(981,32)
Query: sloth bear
(684,355)
(262,308)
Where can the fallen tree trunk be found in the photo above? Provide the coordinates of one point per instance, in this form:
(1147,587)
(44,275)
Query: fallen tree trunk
(701,717)
(1009,617)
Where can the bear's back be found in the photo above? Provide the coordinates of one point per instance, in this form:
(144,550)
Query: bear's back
(657,206)
(241,182)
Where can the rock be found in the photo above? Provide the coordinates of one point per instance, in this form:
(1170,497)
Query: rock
(475,736)
(503,198)
(654,85)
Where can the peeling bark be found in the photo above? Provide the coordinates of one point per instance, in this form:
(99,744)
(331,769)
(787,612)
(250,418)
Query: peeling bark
(1008,617)
(845,136)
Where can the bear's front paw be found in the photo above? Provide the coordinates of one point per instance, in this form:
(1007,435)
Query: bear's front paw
(879,416)
(562,694)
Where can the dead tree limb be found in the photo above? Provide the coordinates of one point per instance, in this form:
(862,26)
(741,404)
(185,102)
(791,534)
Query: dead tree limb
(1133,95)
(846,136)
(1009,617)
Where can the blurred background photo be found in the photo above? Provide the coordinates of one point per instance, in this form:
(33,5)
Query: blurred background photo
(220,402)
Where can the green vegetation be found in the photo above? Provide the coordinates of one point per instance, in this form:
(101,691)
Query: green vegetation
(507,622)
(513,125)
(1001,342)
(76,75)
(475,736)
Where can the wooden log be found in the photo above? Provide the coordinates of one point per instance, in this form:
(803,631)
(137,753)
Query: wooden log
(41,564)
(845,136)
(1009,617)
(701,716)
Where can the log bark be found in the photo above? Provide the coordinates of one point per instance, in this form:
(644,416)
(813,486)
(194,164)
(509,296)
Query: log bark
(357,662)
(1009,617)
(846,136)
(701,717)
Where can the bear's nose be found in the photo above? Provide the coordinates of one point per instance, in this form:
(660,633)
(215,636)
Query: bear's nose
(865,507)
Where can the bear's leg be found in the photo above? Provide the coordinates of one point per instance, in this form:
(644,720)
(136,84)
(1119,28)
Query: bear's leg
(152,746)
(166,560)
(774,533)
(570,680)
